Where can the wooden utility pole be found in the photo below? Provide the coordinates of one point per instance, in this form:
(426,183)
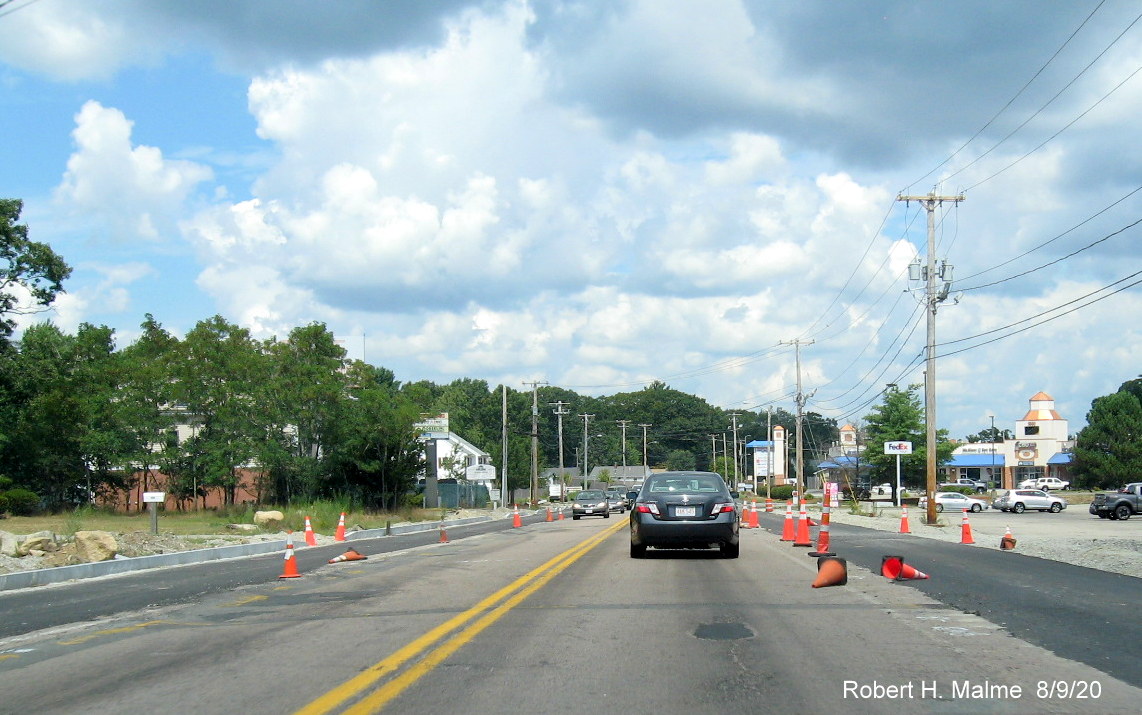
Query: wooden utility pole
(645,427)
(932,297)
(734,419)
(800,415)
(559,412)
(586,424)
(623,425)
(535,440)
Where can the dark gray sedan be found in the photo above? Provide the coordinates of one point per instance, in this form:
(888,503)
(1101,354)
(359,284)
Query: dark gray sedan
(684,510)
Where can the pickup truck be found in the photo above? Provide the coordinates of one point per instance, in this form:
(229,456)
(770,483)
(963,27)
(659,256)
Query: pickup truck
(979,487)
(1120,505)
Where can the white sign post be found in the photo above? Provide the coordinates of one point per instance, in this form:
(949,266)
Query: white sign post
(898,448)
(152,500)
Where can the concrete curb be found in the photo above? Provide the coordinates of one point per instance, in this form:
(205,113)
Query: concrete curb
(43,577)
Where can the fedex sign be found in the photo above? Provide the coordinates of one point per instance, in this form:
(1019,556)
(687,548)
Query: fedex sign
(898,448)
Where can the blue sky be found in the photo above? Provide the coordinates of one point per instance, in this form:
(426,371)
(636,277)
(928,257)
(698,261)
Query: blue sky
(600,194)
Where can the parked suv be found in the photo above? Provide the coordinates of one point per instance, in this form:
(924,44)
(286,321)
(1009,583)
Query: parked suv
(1044,483)
(1020,500)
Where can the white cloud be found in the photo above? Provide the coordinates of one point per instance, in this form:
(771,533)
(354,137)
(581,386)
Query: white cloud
(133,190)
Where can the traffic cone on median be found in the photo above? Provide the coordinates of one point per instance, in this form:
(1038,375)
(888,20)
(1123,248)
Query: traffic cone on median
(310,537)
(904,521)
(516,521)
(550,516)
(893,567)
(443,534)
(768,505)
(560,514)
(965,530)
(339,535)
(831,571)
(787,533)
(803,537)
(290,568)
(350,555)
(753,523)
(823,533)
(1007,542)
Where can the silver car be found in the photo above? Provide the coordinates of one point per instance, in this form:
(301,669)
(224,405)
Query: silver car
(953,501)
(591,502)
(1020,500)
(618,500)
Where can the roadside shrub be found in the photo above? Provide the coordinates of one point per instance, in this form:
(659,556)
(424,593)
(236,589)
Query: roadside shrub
(21,502)
(782,493)
(3,504)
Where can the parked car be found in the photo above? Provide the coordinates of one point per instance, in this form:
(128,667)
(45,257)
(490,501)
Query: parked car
(684,510)
(617,500)
(1044,483)
(1020,500)
(978,487)
(953,501)
(591,502)
(1119,505)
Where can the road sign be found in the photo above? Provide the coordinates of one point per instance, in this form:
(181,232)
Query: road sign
(898,448)
(154,497)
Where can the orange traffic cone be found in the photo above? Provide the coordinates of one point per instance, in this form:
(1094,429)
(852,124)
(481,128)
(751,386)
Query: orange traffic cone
(803,536)
(290,569)
(787,533)
(550,516)
(560,514)
(339,535)
(904,521)
(768,505)
(823,533)
(443,534)
(753,524)
(516,521)
(743,518)
(893,567)
(965,530)
(831,571)
(350,555)
(1007,542)
(310,538)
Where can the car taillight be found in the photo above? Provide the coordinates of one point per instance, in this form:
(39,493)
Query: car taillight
(722,508)
(650,508)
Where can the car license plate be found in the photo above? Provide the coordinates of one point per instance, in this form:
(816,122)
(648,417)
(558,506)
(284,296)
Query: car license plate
(686,511)
(589,511)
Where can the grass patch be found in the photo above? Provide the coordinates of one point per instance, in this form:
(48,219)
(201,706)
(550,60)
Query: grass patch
(323,517)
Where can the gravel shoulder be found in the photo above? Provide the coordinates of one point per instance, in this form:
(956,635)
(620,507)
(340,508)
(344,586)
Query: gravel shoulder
(1072,536)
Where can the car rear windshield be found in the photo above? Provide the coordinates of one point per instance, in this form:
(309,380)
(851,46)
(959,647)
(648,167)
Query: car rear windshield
(691,484)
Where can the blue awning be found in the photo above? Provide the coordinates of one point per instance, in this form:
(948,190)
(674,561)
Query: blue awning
(974,460)
(1060,458)
(758,443)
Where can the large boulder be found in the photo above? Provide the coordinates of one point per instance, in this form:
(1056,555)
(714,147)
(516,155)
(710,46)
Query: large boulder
(39,541)
(268,518)
(8,543)
(91,546)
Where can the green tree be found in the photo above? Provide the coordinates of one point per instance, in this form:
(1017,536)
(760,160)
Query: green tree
(900,417)
(1108,451)
(145,399)
(680,460)
(32,266)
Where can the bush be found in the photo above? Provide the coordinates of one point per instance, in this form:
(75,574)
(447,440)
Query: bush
(21,502)
(3,505)
(782,493)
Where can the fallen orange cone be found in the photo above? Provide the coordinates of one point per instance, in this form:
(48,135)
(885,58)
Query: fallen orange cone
(831,571)
(1007,541)
(893,567)
(350,555)
(290,568)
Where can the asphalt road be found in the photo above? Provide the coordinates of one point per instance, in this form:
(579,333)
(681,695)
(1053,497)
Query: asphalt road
(557,616)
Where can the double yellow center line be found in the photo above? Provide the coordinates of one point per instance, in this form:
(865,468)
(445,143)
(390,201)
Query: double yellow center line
(473,621)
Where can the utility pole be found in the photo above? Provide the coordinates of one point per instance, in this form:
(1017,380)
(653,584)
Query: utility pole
(623,425)
(734,420)
(713,452)
(770,468)
(644,462)
(504,447)
(535,440)
(800,416)
(586,423)
(932,298)
(559,412)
